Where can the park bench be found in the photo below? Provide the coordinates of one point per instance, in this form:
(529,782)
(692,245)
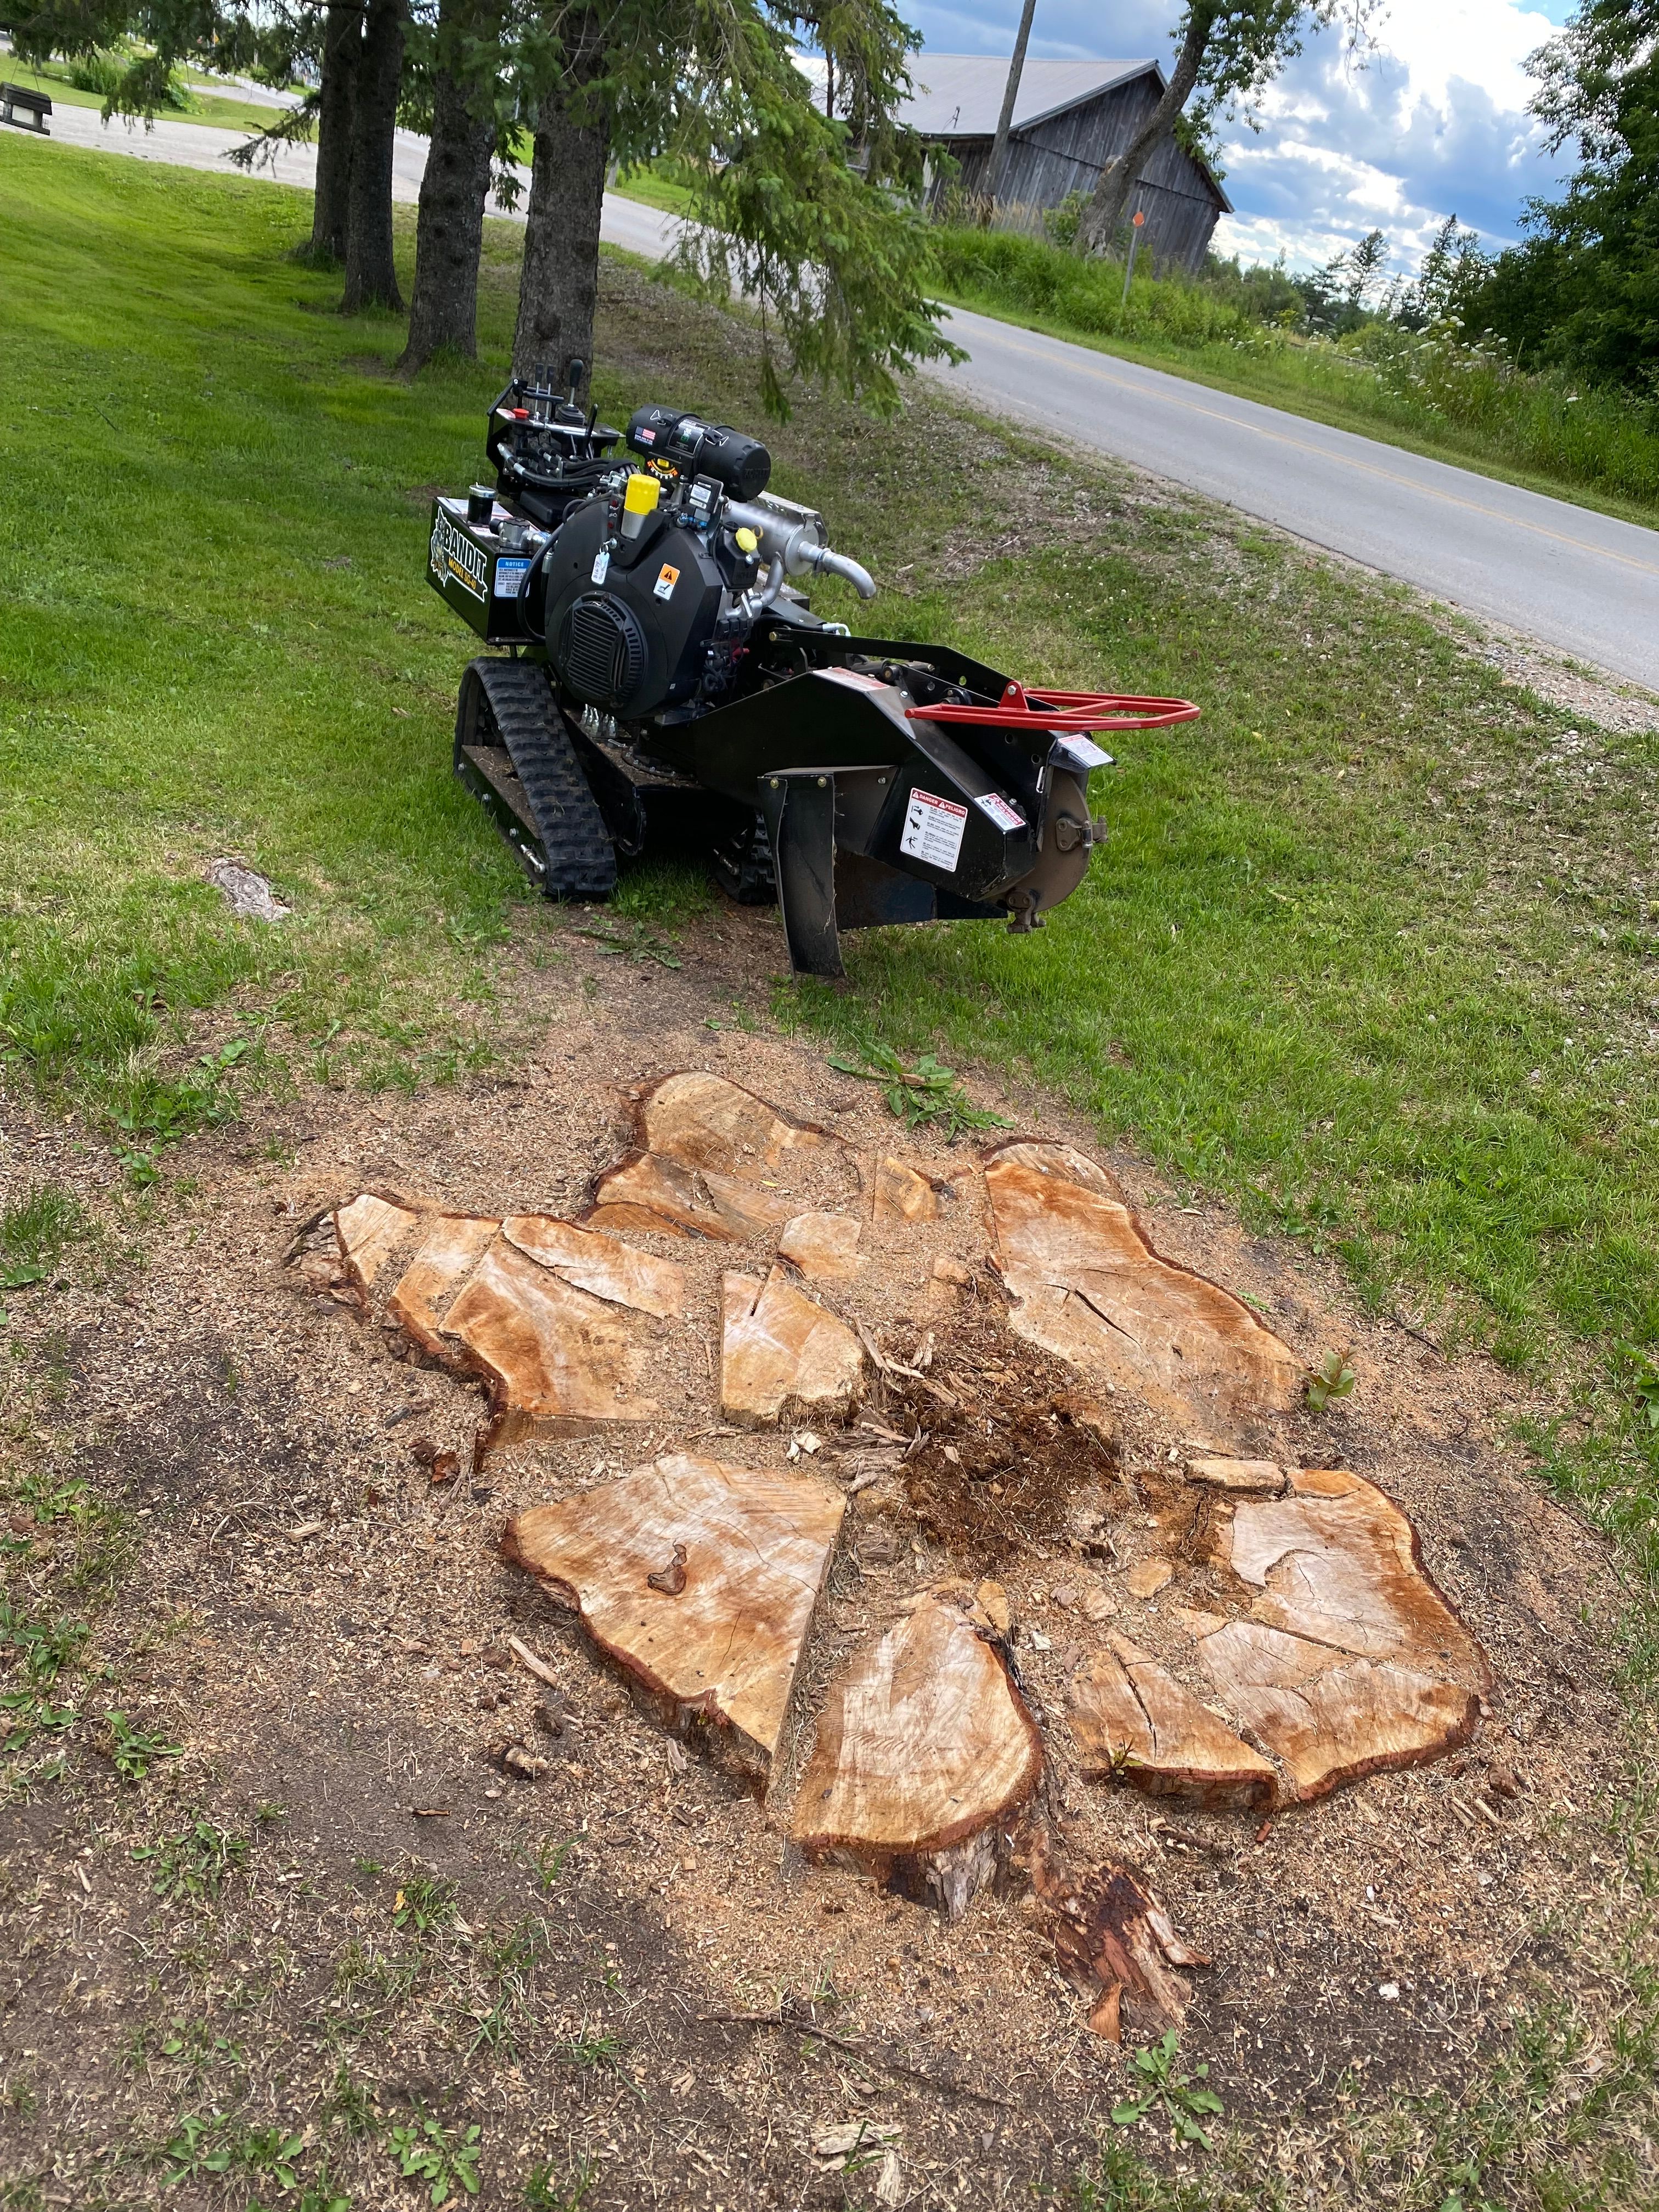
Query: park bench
(35,104)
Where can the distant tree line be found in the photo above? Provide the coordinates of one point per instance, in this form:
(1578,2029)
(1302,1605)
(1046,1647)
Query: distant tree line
(1580,292)
(804,204)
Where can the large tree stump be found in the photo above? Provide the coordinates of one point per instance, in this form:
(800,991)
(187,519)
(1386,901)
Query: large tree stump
(1087,1285)
(925,1753)
(781,1352)
(1131,1718)
(698,1579)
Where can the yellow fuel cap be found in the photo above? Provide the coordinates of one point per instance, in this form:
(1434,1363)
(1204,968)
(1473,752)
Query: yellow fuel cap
(747,541)
(643,494)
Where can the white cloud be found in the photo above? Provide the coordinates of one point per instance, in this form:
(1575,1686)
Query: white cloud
(1435,123)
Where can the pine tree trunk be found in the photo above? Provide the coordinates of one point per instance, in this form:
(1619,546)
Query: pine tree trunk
(449,232)
(342,40)
(559,287)
(371,278)
(1118,179)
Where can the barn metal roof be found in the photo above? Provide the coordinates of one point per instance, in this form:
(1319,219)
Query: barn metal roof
(960,95)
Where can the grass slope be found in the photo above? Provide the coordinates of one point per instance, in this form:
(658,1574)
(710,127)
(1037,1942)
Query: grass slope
(1373,945)
(1372,949)
(222,111)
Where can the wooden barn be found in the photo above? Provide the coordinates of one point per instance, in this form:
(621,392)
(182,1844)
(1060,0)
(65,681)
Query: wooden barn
(1070,119)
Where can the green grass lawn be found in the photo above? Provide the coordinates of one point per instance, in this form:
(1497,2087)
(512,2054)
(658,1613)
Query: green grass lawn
(1372,951)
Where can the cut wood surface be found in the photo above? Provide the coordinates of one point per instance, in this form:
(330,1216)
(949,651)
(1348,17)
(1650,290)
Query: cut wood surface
(698,1578)
(903,1193)
(1329,1718)
(1350,1660)
(598,1263)
(451,1248)
(780,1350)
(823,1246)
(1131,1717)
(369,1231)
(704,1150)
(924,1749)
(1338,1562)
(557,1358)
(704,1122)
(1088,1285)
(646,1191)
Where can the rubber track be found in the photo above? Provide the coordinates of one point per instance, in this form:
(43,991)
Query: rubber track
(582,861)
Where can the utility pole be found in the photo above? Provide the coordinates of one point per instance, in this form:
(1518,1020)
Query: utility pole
(1004,121)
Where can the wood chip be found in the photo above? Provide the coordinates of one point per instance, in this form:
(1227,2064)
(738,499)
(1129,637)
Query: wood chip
(532,1665)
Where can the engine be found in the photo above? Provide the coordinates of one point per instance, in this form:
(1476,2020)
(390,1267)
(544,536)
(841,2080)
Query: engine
(642,577)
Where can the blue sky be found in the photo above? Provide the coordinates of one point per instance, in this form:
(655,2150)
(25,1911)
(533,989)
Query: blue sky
(1434,122)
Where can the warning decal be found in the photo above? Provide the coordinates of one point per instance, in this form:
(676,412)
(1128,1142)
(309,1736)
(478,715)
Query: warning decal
(667,577)
(932,830)
(996,807)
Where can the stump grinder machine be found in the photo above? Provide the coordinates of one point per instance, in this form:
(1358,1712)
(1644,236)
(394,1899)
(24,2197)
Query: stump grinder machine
(664,679)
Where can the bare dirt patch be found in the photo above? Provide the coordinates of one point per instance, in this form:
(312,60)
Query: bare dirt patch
(624,1945)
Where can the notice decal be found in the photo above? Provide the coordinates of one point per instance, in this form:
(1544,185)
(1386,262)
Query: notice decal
(1080,753)
(667,577)
(932,830)
(510,577)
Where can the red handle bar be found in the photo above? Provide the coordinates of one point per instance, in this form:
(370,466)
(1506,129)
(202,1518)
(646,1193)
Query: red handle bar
(1063,711)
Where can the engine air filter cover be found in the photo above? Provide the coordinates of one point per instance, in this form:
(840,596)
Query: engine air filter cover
(601,651)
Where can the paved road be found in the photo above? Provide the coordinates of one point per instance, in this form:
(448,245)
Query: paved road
(1579,581)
